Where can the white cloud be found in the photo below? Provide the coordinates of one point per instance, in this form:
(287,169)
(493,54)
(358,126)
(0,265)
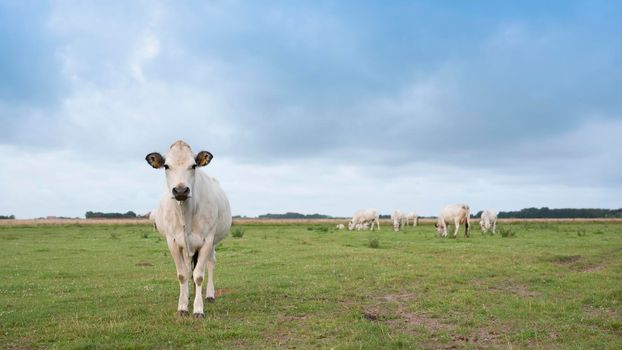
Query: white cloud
(256,87)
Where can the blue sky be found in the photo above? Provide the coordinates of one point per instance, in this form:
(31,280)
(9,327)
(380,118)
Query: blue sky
(317,106)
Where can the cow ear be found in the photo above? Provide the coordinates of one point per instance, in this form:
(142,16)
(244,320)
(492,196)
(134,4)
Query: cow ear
(203,158)
(155,159)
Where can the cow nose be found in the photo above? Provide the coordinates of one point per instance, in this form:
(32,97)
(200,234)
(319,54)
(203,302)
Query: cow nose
(181,192)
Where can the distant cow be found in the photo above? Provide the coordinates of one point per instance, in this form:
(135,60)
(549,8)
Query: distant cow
(362,227)
(363,216)
(194,215)
(453,214)
(399,220)
(412,216)
(152,219)
(488,222)
(340,227)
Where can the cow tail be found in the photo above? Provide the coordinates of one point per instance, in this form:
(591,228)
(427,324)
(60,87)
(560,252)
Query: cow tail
(195,259)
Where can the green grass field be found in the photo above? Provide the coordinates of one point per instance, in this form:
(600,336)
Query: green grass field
(552,285)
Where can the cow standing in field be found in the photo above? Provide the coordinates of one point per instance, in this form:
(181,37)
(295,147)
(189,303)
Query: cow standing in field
(152,216)
(340,227)
(362,216)
(399,219)
(194,215)
(453,214)
(412,216)
(488,222)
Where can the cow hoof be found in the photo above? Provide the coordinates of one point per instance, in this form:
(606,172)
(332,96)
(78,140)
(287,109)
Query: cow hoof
(210,299)
(183,312)
(198,315)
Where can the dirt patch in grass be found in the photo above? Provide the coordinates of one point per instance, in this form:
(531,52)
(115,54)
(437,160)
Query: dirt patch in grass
(483,337)
(604,313)
(519,289)
(143,263)
(224,291)
(372,315)
(290,318)
(393,311)
(563,259)
(594,268)
(399,297)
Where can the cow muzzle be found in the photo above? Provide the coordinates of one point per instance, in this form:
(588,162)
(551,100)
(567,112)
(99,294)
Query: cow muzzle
(181,193)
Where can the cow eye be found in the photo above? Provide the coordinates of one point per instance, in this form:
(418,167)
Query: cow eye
(194,166)
(165,166)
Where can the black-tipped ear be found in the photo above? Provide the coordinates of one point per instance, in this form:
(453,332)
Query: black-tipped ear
(203,158)
(155,159)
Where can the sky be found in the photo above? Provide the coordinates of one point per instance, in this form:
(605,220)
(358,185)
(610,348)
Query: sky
(312,106)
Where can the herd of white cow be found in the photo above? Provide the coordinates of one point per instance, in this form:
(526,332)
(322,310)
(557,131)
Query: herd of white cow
(194,215)
(456,215)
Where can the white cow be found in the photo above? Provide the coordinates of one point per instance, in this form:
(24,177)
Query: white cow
(194,215)
(152,216)
(412,216)
(362,227)
(363,216)
(340,227)
(453,214)
(488,222)
(399,219)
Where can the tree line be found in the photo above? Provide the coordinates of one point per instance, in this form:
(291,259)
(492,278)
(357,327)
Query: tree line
(97,215)
(561,213)
(7,217)
(290,215)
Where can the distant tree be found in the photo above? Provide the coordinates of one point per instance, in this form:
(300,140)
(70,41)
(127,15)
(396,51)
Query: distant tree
(7,217)
(562,213)
(97,215)
(291,215)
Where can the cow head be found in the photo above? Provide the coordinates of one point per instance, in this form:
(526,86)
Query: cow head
(396,220)
(351,225)
(439,228)
(396,224)
(179,165)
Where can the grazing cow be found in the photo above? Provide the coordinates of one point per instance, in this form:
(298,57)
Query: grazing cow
(453,214)
(399,219)
(152,216)
(340,227)
(412,216)
(194,215)
(488,222)
(362,227)
(363,216)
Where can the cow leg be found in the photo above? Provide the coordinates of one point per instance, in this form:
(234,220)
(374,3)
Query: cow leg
(494,227)
(198,276)
(183,271)
(457,226)
(210,292)
(466,228)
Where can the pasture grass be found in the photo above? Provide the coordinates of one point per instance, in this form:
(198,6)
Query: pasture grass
(550,286)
